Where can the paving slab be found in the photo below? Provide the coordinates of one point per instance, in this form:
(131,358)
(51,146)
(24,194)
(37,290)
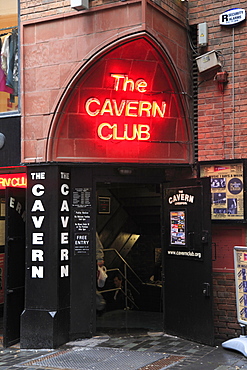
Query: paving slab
(126,352)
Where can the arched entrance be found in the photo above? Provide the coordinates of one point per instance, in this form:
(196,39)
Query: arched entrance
(128,106)
(125,114)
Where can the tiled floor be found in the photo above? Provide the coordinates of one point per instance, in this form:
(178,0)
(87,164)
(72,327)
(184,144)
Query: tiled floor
(176,353)
(163,344)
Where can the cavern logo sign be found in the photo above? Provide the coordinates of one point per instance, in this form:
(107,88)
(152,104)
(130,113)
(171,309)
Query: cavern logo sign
(181,198)
(40,237)
(122,108)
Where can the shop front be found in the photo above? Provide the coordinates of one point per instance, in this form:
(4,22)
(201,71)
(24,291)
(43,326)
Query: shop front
(13,183)
(120,164)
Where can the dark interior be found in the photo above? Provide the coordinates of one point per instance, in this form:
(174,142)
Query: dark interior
(132,229)
(129,229)
(2,220)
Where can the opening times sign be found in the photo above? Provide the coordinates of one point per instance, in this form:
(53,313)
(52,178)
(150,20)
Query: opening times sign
(82,220)
(226,190)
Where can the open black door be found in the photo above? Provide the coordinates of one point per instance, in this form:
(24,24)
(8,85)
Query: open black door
(14,265)
(188,295)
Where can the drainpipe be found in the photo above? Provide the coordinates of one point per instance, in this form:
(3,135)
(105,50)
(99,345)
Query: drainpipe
(233,93)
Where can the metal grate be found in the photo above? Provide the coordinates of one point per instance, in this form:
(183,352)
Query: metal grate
(104,359)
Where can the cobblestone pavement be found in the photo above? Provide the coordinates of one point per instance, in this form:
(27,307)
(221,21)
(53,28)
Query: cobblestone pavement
(129,352)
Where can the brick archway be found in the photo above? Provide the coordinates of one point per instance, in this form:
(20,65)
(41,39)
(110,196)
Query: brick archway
(128,106)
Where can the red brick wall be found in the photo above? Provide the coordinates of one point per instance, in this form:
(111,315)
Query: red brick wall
(176,9)
(39,9)
(54,47)
(224,238)
(42,8)
(222,116)
(225,314)
(222,134)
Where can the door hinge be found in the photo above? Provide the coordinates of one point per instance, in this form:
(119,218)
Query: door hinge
(206,289)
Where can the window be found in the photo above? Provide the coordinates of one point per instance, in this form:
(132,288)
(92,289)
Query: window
(9,56)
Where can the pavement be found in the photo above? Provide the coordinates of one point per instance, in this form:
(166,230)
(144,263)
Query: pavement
(137,351)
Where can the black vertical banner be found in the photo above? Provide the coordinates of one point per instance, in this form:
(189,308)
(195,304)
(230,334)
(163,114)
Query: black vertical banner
(42,237)
(47,258)
(64,207)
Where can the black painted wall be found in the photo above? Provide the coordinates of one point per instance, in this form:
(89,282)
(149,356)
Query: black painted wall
(10,153)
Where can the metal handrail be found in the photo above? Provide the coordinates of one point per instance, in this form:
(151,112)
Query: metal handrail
(125,275)
(120,272)
(126,295)
(119,255)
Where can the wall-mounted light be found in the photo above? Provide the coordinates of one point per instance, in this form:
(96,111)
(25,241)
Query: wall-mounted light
(79,4)
(2,140)
(125,171)
(222,79)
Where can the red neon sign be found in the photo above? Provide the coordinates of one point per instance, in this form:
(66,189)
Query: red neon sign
(125,108)
(16,180)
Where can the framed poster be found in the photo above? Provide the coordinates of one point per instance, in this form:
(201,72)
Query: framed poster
(2,207)
(240,266)
(227,190)
(177,228)
(104,205)
(1,278)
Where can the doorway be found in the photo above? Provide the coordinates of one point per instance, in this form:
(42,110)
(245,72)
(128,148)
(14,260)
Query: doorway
(133,216)
(12,263)
(129,227)
(2,244)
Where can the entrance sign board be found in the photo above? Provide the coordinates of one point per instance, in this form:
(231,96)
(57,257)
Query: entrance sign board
(232,17)
(16,180)
(227,190)
(240,264)
(127,107)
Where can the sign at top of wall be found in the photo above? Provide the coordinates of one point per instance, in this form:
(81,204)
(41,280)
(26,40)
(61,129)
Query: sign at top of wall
(13,180)
(232,17)
(127,107)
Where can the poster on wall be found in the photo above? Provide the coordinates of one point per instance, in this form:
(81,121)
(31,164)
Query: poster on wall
(240,263)
(226,190)
(104,205)
(1,278)
(177,224)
